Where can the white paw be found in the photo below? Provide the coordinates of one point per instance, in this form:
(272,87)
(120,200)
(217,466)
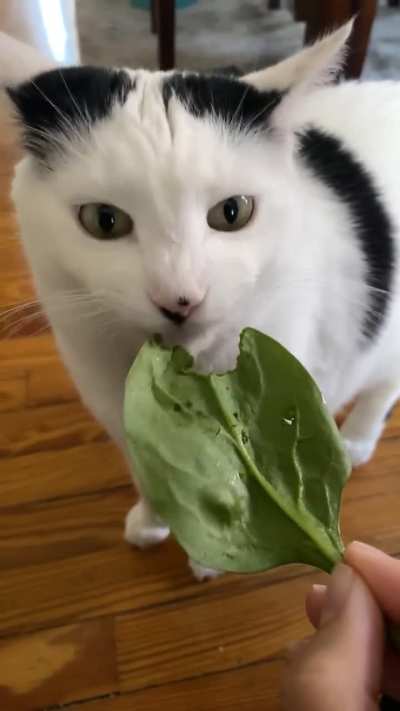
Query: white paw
(360,451)
(201,574)
(143,528)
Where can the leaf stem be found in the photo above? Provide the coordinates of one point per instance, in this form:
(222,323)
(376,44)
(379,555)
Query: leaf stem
(327,549)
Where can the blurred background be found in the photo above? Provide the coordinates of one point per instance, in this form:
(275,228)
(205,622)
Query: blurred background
(207,33)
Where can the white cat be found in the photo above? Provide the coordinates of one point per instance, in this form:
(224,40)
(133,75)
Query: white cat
(197,205)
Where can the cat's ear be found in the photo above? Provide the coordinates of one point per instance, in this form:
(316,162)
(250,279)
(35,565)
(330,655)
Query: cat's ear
(57,105)
(315,65)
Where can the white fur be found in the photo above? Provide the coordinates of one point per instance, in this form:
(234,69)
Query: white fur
(294,272)
(143,528)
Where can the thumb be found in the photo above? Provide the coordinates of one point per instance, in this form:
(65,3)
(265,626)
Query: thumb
(340,668)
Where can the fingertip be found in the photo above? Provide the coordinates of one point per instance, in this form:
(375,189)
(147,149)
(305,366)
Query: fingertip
(356,548)
(358,552)
(380,572)
(315,601)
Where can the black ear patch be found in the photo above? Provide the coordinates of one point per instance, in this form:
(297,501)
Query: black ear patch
(61,100)
(238,105)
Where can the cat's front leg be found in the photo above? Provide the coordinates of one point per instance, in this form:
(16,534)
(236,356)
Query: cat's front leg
(201,573)
(143,528)
(363,427)
(99,371)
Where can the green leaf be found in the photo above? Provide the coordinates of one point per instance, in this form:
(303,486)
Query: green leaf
(247,467)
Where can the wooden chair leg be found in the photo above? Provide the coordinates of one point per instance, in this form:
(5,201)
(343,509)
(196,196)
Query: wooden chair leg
(153,16)
(165,13)
(366,10)
(304,9)
(320,17)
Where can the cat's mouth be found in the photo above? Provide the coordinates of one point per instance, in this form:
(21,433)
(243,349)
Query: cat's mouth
(174,316)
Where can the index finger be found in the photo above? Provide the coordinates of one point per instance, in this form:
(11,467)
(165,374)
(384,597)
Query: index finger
(381,573)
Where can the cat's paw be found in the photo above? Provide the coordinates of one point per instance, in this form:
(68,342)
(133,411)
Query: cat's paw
(360,451)
(201,573)
(143,528)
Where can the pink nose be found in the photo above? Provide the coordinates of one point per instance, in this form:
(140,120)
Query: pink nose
(177,311)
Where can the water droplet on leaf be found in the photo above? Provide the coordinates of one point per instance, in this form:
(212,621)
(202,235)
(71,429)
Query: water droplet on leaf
(289,419)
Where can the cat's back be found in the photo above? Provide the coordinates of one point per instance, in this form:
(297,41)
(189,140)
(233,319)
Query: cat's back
(364,117)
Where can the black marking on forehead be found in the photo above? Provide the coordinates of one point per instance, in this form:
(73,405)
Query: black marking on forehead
(59,101)
(334,164)
(235,103)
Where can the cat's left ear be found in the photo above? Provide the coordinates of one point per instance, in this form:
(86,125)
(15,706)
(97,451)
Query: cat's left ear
(315,65)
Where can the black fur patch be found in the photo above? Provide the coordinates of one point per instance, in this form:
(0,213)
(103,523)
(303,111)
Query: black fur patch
(335,165)
(61,99)
(233,102)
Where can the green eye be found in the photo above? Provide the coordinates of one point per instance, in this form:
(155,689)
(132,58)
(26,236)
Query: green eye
(231,214)
(105,221)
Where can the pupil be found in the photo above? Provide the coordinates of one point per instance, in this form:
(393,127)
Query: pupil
(231,210)
(106,219)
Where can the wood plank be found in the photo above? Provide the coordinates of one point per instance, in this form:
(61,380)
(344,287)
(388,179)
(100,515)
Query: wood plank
(47,428)
(123,579)
(30,535)
(108,582)
(92,585)
(13,394)
(252,688)
(50,385)
(16,290)
(163,645)
(57,666)
(8,220)
(12,258)
(61,473)
(27,351)
(68,527)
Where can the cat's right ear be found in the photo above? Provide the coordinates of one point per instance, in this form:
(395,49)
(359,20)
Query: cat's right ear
(57,106)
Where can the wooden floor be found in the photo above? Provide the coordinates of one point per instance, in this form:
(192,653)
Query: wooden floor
(84,618)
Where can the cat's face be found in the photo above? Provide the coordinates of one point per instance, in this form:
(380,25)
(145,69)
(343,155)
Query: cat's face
(171,214)
(165,195)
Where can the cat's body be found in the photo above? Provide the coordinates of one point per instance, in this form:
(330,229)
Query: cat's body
(316,267)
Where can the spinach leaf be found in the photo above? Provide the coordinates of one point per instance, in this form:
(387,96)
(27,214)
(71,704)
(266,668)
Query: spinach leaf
(247,467)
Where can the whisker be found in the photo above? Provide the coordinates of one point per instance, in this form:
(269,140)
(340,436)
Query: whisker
(80,113)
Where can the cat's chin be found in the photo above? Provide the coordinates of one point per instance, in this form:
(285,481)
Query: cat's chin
(184,335)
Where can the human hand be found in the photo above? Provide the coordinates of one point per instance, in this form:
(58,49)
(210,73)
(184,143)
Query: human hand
(347,664)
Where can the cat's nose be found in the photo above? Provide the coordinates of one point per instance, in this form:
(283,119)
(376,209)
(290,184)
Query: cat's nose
(178,310)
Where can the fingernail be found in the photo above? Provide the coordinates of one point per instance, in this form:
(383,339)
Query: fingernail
(338,591)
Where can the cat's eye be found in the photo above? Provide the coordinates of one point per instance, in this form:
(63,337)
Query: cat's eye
(231,214)
(105,221)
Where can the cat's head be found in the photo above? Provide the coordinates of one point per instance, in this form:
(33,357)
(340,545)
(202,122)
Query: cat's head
(164,194)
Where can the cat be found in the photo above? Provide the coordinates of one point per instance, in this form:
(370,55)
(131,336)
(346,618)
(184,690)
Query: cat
(194,205)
